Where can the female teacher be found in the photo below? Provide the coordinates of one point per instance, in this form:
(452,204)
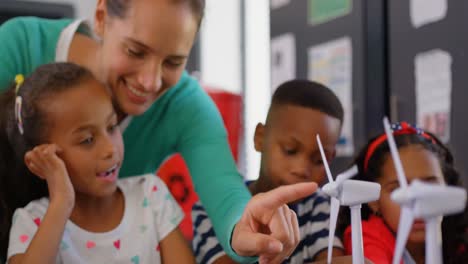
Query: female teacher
(139,49)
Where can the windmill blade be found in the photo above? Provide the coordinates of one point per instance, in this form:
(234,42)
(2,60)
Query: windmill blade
(346,175)
(335,207)
(324,158)
(404,228)
(395,155)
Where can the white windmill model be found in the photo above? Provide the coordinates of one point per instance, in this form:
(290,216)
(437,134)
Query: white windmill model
(350,193)
(422,200)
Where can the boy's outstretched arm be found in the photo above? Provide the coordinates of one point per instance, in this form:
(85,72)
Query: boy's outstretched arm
(268,228)
(175,249)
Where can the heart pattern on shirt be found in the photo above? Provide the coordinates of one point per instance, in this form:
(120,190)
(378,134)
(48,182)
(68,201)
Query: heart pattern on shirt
(24,238)
(90,244)
(158,248)
(117,244)
(37,221)
(155,188)
(63,246)
(145,202)
(175,220)
(135,259)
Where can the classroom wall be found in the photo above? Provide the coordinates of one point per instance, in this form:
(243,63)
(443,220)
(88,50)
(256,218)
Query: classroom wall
(84,8)
(402,58)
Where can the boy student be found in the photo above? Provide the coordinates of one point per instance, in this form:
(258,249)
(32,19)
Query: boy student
(299,110)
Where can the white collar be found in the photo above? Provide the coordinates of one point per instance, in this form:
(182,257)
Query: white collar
(66,37)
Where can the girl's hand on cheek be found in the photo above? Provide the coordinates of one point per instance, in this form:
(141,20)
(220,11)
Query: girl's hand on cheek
(44,162)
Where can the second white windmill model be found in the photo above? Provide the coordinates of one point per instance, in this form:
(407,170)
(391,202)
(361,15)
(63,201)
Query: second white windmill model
(422,200)
(350,193)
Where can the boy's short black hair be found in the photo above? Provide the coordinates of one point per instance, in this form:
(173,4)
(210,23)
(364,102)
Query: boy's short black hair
(308,94)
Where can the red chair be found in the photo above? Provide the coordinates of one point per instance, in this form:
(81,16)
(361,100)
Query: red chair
(174,171)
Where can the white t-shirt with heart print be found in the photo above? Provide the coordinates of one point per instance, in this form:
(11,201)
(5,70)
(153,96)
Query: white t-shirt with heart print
(151,213)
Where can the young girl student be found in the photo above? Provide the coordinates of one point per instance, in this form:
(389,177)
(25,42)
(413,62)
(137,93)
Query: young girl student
(61,151)
(424,158)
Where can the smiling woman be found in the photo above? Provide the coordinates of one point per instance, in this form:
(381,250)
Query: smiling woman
(139,50)
(140,60)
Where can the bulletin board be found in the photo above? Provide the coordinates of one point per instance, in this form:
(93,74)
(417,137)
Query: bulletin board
(428,64)
(307,34)
(10,9)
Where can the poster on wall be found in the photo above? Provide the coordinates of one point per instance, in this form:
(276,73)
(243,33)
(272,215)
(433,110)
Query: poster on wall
(433,83)
(283,59)
(423,12)
(276,4)
(321,11)
(330,63)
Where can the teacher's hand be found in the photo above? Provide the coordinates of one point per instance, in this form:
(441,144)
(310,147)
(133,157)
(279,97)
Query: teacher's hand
(268,228)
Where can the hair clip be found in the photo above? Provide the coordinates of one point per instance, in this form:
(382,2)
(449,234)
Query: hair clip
(19,80)
(19,119)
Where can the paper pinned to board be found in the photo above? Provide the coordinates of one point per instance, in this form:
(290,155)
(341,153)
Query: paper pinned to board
(423,12)
(433,83)
(275,4)
(283,59)
(330,63)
